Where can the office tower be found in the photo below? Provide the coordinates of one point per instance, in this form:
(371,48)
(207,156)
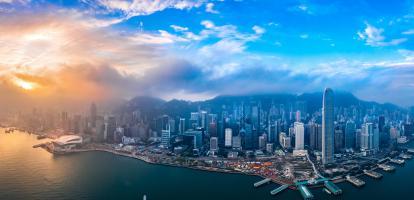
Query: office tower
(272,131)
(327,126)
(171,123)
(100,128)
(269,147)
(315,136)
(203,120)
(408,129)
(394,133)
(212,129)
(299,136)
(166,137)
(350,131)
(381,123)
(118,134)
(110,126)
(369,137)
(376,138)
(236,142)
(213,144)
(248,137)
(338,139)
(262,141)
(181,126)
(298,116)
(358,136)
(284,140)
(194,120)
(77,124)
(93,115)
(197,137)
(228,134)
(256,127)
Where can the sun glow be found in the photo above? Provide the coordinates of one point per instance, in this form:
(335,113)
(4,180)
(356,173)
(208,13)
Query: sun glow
(26,85)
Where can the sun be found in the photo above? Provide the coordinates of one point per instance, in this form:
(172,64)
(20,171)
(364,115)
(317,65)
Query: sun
(26,85)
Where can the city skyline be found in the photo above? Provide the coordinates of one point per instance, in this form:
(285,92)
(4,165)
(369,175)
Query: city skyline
(206,99)
(52,50)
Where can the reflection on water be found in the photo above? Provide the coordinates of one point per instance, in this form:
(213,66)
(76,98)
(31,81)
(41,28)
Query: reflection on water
(27,173)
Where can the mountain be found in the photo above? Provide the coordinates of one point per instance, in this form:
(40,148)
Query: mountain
(153,107)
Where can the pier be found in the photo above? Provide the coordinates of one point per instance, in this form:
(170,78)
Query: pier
(355,181)
(373,174)
(335,190)
(386,168)
(406,156)
(397,161)
(260,183)
(304,191)
(279,189)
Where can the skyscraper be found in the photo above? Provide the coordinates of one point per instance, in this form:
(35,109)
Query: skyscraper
(299,136)
(181,126)
(327,126)
(228,137)
(350,131)
(93,115)
(165,137)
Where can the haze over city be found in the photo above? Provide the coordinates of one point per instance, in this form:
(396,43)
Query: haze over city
(72,52)
(206,99)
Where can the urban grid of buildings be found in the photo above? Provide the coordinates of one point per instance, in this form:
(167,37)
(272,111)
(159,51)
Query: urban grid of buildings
(241,129)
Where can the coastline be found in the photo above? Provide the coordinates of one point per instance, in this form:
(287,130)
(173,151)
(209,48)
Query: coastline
(148,161)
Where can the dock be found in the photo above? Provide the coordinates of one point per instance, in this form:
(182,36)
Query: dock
(355,181)
(406,156)
(304,191)
(386,168)
(397,161)
(260,183)
(279,189)
(373,174)
(335,190)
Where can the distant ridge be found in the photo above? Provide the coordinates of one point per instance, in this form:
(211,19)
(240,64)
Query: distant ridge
(152,106)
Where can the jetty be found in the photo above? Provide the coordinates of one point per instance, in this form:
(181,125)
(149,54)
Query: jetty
(304,191)
(373,174)
(335,190)
(279,189)
(262,182)
(397,161)
(355,181)
(386,168)
(406,156)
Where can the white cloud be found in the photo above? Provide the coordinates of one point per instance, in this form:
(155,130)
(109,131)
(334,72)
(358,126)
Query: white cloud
(210,8)
(374,37)
(162,37)
(259,30)
(134,8)
(178,28)
(208,24)
(407,54)
(304,36)
(15,1)
(408,32)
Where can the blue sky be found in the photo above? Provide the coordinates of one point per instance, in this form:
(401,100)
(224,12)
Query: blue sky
(196,49)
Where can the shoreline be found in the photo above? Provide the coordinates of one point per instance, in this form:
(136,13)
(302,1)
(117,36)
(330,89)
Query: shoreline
(146,160)
(216,170)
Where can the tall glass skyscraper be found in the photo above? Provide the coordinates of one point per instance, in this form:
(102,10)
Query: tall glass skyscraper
(328,126)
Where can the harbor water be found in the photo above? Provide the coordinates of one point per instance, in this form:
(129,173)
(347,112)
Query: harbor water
(33,173)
